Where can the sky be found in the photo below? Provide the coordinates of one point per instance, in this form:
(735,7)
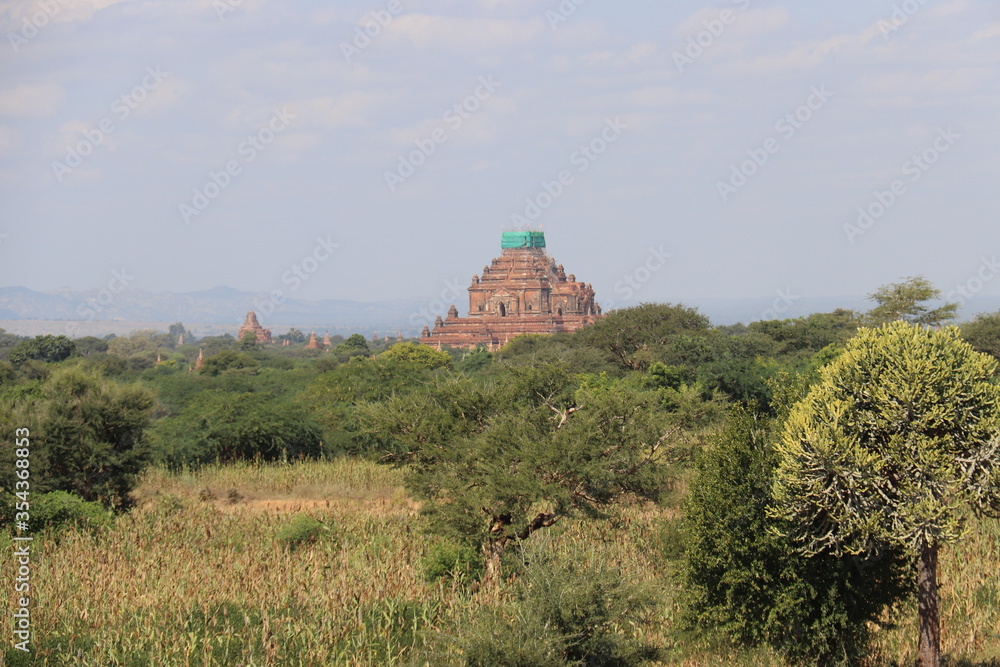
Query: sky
(374,150)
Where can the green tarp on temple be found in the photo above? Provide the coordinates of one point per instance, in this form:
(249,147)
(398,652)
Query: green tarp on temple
(523,240)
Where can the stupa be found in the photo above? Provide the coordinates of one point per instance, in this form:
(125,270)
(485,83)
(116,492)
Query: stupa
(251,324)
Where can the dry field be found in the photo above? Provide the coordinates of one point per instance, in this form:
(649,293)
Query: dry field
(196,576)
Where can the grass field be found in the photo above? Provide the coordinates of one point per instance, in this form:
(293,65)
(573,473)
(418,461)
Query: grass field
(196,575)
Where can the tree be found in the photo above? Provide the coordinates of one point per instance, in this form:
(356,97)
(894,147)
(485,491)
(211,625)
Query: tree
(354,342)
(906,301)
(228,360)
(897,437)
(635,335)
(496,463)
(248,342)
(226,426)
(418,355)
(42,348)
(983,333)
(142,342)
(293,336)
(743,577)
(89,345)
(88,435)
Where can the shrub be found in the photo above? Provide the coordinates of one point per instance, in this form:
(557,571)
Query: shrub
(562,611)
(743,578)
(453,560)
(302,531)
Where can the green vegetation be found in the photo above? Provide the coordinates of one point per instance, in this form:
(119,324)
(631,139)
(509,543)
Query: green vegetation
(651,489)
(899,436)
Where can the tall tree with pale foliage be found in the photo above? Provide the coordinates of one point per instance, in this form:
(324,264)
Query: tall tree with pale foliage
(898,436)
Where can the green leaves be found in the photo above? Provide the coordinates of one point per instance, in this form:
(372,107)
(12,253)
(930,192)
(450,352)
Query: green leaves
(905,301)
(899,433)
(743,576)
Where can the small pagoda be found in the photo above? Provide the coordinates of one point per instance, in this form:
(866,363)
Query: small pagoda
(251,324)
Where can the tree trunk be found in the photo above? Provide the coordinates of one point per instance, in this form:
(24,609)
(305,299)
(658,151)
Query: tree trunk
(492,574)
(928,602)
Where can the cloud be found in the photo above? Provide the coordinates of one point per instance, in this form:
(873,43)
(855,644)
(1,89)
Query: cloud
(352,109)
(986,33)
(31,100)
(8,139)
(40,14)
(466,35)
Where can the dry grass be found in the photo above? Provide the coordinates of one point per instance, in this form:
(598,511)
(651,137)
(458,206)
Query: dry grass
(193,578)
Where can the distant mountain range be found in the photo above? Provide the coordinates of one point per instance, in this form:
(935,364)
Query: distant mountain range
(223,309)
(223,306)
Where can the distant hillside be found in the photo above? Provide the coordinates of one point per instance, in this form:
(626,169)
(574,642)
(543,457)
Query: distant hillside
(217,305)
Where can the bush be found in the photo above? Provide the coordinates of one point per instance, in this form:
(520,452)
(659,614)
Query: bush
(453,560)
(741,577)
(562,611)
(303,531)
(56,510)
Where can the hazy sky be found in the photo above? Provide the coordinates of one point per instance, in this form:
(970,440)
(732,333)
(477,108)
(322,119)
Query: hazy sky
(694,150)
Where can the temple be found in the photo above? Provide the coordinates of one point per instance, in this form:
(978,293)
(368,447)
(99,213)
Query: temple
(522,291)
(251,324)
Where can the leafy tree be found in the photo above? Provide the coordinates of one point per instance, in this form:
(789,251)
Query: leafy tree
(355,342)
(744,578)
(474,361)
(808,335)
(898,436)
(7,341)
(88,434)
(248,342)
(983,333)
(418,355)
(211,345)
(228,360)
(175,331)
(293,336)
(143,342)
(562,348)
(495,463)
(907,301)
(226,426)
(89,345)
(42,348)
(635,335)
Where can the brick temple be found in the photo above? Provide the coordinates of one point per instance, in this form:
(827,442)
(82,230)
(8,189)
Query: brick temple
(251,324)
(522,291)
